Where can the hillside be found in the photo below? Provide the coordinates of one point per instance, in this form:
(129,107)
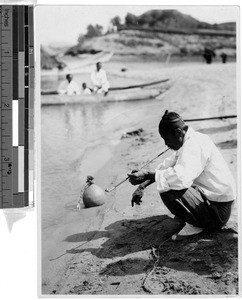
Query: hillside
(154,35)
(49,60)
(161,33)
(156,45)
(173,19)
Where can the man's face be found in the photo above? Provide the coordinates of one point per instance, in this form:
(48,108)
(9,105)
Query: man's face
(173,140)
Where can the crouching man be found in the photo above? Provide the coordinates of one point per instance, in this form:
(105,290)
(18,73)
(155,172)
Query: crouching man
(194,183)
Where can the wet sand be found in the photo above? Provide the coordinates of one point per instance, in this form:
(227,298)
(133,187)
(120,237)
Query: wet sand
(112,249)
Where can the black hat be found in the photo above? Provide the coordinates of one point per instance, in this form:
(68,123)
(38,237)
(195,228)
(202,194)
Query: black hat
(171,120)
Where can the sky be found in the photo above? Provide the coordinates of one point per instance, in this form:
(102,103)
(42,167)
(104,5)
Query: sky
(63,23)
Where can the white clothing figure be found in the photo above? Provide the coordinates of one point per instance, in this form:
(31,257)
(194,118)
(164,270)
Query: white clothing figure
(99,80)
(68,87)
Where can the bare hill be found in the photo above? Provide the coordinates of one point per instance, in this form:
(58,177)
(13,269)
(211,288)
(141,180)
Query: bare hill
(171,19)
(155,44)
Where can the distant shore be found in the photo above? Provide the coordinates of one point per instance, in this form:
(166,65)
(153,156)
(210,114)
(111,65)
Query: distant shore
(86,62)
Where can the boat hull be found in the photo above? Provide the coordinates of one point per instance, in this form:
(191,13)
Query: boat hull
(111,97)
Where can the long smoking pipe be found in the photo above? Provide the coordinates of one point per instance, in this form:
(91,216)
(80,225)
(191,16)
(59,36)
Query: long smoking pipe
(113,188)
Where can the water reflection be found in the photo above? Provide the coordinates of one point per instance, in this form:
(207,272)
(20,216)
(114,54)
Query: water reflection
(76,140)
(69,126)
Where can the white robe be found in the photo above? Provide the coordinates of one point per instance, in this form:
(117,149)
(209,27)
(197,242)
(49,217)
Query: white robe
(198,162)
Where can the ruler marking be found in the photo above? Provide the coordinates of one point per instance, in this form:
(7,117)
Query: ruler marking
(21,169)
(21,29)
(26,106)
(26,175)
(15,52)
(26,15)
(21,157)
(21,122)
(15,123)
(15,169)
(6,114)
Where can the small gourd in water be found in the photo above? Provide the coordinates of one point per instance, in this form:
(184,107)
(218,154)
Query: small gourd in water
(93,195)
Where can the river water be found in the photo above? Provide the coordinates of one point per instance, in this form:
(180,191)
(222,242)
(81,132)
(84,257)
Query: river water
(76,141)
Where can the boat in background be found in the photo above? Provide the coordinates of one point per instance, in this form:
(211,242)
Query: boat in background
(54,92)
(95,98)
(126,93)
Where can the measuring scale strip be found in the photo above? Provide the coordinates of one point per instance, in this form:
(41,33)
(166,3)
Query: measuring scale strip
(15,95)
(6,106)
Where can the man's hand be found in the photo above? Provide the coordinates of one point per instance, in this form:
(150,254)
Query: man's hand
(137,177)
(137,195)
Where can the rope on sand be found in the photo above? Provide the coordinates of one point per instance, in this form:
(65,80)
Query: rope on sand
(69,251)
(144,285)
(92,237)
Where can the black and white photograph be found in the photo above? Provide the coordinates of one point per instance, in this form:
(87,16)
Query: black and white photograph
(139,150)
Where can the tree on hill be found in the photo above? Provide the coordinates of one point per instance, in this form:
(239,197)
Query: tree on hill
(116,21)
(131,20)
(81,39)
(149,18)
(93,31)
(169,18)
(114,24)
(172,19)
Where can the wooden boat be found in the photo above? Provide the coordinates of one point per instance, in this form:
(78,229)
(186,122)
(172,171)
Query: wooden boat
(114,96)
(54,92)
(131,93)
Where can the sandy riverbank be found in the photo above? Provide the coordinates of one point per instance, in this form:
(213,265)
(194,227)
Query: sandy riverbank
(110,249)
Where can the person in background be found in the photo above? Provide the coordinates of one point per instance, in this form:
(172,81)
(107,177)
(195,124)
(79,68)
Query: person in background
(223,57)
(208,55)
(194,183)
(69,86)
(99,80)
(86,90)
